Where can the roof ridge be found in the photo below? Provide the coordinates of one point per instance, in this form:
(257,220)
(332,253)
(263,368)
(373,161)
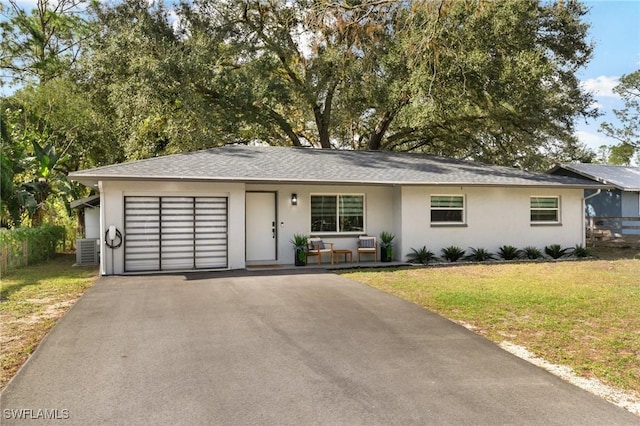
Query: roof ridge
(247,163)
(602,165)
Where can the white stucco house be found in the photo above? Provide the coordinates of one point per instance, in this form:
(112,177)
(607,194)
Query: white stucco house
(237,206)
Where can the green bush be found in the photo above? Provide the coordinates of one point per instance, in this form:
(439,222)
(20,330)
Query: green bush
(531,252)
(509,252)
(452,253)
(421,255)
(37,244)
(581,251)
(479,255)
(555,251)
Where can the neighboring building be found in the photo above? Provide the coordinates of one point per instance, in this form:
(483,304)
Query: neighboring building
(236,206)
(89,216)
(88,243)
(623,200)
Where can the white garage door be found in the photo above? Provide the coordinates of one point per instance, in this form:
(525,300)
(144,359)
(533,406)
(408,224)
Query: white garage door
(175,233)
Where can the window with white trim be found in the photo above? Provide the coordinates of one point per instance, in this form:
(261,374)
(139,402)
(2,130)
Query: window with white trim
(545,210)
(337,213)
(447,209)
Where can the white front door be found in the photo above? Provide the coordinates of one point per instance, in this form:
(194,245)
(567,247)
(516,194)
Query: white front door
(261,226)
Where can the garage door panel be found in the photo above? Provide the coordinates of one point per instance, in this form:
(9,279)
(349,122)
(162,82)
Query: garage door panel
(143,257)
(167,244)
(176,264)
(142,224)
(175,233)
(211,233)
(211,262)
(168,252)
(143,265)
(140,244)
(210,239)
(212,227)
(134,247)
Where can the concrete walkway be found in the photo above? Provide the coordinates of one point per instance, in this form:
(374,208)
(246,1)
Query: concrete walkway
(279,347)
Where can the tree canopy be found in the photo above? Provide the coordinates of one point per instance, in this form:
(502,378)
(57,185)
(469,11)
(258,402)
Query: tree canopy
(43,43)
(628,134)
(493,81)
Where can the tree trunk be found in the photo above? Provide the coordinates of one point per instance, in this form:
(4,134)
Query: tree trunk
(375,139)
(323,115)
(285,126)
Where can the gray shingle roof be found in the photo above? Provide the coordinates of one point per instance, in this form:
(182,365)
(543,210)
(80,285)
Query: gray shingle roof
(625,178)
(240,163)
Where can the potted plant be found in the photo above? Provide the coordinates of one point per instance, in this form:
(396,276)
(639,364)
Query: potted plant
(386,246)
(300,243)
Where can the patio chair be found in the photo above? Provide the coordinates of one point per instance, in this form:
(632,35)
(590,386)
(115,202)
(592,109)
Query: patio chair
(317,247)
(367,245)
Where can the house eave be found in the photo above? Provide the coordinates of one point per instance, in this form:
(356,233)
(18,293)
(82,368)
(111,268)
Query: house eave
(93,181)
(592,177)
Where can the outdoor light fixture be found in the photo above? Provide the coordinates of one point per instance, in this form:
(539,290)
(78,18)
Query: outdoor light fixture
(294,199)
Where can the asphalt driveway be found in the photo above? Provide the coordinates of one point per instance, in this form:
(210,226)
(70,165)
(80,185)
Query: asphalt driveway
(274,348)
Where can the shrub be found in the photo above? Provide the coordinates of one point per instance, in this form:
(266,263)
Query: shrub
(509,252)
(37,244)
(531,252)
(581,251)
(452,253)
(555,251)
(422,256)
(479,255)
(386,243)
(300,243)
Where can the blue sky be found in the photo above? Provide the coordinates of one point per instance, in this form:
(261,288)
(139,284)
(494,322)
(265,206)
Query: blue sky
(615,32)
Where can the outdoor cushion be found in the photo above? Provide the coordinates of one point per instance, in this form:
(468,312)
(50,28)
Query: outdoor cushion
(367,242)
(317,245)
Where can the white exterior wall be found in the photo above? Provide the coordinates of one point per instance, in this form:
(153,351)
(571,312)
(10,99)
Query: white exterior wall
(112,208)
(379,214)
(495,216)
(92,222)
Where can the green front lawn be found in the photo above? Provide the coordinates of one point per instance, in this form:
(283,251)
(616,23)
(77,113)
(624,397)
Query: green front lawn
(582,314)
(31,301)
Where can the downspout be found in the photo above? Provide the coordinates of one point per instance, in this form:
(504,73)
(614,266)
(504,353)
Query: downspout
(584,211)
(103,249)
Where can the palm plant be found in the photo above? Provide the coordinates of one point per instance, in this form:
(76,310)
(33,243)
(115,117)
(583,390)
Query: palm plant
(508,252)
(300,243)
(531,252)
(386,244)
(46,183)
(479,255)
(452,253)
(581,251)
(421,255)
(555,251)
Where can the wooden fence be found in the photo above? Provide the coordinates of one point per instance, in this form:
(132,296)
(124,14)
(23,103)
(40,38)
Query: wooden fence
(17,254)
(613,231)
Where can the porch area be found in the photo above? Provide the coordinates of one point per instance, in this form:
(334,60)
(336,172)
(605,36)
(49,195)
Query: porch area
(613,231)
(328,266)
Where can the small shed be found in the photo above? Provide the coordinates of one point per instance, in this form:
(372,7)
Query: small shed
(88,247)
